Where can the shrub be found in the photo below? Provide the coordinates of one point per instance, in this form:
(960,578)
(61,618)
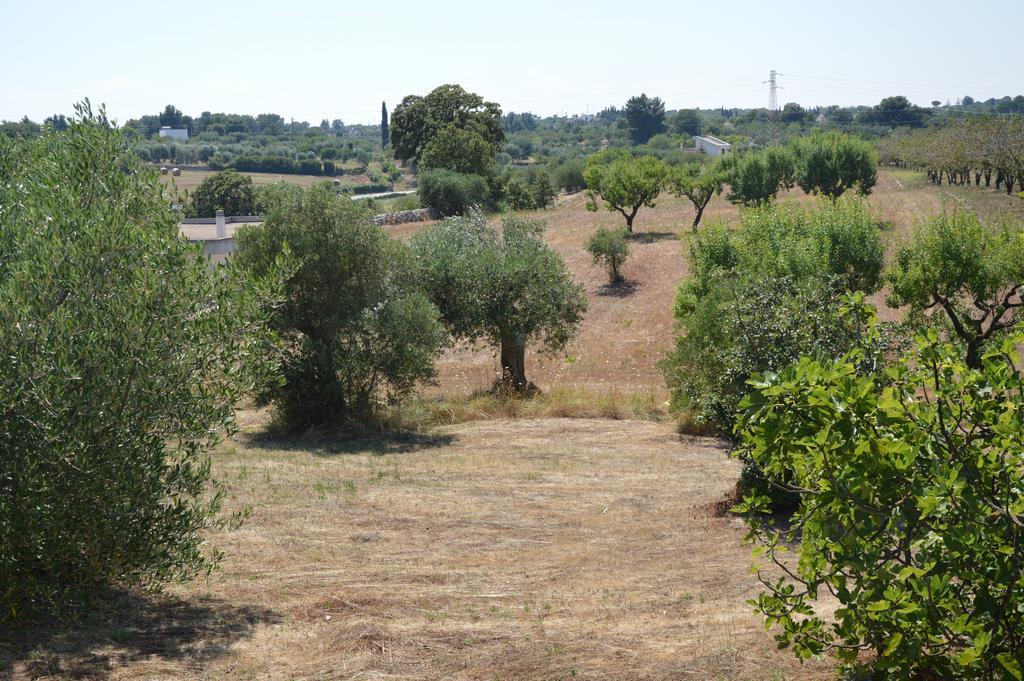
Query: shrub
(759,298)
(756,177)
(569,176)
(122,355)
(449,193)
(356,331)
(609,248)
(910,513)
(228,191)
(831,163)
(518,195)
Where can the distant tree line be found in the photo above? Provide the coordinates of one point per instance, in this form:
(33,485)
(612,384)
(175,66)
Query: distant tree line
(983,149)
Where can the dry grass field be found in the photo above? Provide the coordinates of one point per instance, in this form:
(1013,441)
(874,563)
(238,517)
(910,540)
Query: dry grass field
(627,329)
(190,179)
(506,548)
(527,549)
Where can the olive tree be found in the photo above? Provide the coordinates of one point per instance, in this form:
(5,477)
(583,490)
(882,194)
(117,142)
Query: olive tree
(610,248)
(505,288)
(355,328)
(623,182)
(122,357)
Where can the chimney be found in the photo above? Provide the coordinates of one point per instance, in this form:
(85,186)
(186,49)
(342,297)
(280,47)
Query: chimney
(221,228)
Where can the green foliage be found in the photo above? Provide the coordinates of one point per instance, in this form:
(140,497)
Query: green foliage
(912,495)
(355,329)
(610,248)
(569,176)
(756,177)
(624,183)
(698,183)
(122,356)
(645,117)
(506,288)
(831,163)
(972,273)
(228,191)
(417,120)
(687,121)
(760,297)
(460,150)
(449,193)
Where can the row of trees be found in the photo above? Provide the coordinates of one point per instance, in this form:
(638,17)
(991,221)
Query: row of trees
(982,149)
(826,163)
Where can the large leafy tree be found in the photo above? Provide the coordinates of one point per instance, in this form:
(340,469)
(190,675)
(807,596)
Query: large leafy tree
(912,498)
(832,163)
(646,117)
(122,357)
(355,328)
(624,183)
(229,191)
(506,288)
(459,150)
(687,121)
(417,120)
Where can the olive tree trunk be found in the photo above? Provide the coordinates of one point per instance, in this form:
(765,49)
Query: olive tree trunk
(513,362)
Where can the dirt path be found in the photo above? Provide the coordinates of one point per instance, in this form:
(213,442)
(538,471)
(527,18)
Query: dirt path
(531,549)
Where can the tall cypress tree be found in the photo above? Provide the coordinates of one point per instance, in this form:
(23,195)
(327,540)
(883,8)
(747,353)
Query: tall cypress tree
(384,135)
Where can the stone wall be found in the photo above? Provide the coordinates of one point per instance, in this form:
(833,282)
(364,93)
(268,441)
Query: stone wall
(404,216)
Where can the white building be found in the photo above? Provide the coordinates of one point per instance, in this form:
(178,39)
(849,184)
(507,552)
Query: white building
(712,146)
(174,133)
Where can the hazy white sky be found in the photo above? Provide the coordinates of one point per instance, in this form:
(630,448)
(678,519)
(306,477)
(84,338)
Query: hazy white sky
(314,59)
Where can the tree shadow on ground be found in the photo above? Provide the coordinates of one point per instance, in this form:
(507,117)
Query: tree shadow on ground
(122,628)
(622,289)
(334,442)
(652,237)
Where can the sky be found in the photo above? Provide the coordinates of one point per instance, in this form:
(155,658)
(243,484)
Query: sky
(314,59)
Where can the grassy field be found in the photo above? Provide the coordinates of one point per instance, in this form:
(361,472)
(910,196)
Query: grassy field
(499,545)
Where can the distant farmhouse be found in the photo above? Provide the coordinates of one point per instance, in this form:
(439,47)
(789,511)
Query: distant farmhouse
(712,146)
(174,133)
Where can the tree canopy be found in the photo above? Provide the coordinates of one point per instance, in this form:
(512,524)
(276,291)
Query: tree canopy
(355,329)
(832,163)
(506,288)
(623,182)
(229,191)
(122,357)
(646,117)
(417,120)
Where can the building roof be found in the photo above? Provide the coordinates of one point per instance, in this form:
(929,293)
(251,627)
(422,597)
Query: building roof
(713,141)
